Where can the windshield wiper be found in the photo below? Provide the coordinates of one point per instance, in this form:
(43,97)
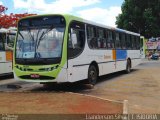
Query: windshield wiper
(43,34)
(29,31)
(21,35)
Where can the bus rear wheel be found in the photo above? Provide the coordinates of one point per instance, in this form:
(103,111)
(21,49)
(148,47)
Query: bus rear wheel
(128,67)
(92,75)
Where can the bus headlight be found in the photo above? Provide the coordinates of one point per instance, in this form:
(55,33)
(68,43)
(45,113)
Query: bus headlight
(20,68)
(48,69)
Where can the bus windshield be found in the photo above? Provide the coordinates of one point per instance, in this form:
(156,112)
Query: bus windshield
(2,39)
(40,38)
(10,39)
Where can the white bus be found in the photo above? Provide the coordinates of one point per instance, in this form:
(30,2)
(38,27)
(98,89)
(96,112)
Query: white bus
(64,48)
(7,37)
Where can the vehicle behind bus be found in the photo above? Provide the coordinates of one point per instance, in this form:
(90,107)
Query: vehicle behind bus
(7,37)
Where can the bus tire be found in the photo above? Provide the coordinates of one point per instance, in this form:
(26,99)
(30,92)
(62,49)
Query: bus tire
(92,75)
(128,66)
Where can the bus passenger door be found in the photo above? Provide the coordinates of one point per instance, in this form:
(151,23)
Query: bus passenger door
(76,42)
(3,68)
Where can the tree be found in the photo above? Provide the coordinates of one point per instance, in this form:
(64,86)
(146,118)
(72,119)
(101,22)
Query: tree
(10,20)
(2,9)
(141,16)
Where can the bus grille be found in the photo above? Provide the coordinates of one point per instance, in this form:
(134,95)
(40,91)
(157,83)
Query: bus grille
(40,77)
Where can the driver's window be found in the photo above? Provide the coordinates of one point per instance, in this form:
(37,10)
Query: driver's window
(73,39)
(76,39)
(1,42)
(1,46)
(10,41)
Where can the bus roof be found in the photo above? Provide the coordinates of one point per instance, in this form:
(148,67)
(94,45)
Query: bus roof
(9,30)
(3,30)
(72,17)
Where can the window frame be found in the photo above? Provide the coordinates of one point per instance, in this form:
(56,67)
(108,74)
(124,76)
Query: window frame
(119,39)
(138,40)
(104,37)
(123,40)
(94,37)
(128,42)
(112,40)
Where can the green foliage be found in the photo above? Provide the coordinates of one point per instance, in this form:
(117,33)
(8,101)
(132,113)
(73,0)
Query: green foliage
(141,16)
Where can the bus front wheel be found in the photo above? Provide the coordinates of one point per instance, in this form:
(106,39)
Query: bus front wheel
(92,75)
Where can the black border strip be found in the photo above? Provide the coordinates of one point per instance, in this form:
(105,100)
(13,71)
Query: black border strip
(80,65)
(6,62)
(101,62)
(120,60)
(3,74)
(89,64)
(106,62)
(135,58)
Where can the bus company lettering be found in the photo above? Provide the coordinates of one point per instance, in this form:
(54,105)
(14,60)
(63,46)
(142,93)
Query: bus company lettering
(107,57)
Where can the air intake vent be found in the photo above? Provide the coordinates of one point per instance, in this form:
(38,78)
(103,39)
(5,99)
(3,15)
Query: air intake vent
(39,78)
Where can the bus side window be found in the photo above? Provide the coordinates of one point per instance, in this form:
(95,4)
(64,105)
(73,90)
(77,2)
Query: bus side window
(101,38)
(10,41)
(128,41)
(138,44)
(110,39)
(117,41)
(1,46)
(133,42)
(76,39)
(123,41)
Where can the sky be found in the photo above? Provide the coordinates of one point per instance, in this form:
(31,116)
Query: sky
(100,11)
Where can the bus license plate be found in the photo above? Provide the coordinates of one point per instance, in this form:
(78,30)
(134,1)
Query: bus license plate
(35,76)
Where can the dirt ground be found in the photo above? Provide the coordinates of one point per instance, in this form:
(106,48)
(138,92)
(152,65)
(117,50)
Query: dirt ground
(141,88)
(55,103)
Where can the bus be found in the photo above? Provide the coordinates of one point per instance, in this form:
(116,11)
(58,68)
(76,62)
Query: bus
(58,48)
(7,37)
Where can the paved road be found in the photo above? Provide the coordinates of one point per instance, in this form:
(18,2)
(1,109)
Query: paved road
(141,87)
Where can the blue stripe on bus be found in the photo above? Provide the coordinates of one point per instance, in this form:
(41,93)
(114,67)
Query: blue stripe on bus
(121,54)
